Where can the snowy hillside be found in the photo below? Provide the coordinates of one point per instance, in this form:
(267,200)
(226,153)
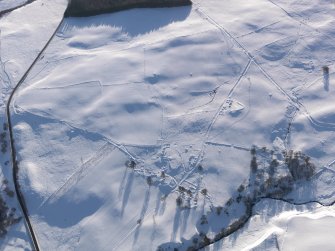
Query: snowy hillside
(10,4)
(205,126)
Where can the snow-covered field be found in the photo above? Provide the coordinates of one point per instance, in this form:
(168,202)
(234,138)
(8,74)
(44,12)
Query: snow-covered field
(9,4)
(281,226)
(134,125)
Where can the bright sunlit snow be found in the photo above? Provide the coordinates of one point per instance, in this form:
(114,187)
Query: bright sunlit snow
(135,129)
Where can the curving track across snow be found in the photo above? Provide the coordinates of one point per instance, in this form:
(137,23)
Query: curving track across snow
(20,197)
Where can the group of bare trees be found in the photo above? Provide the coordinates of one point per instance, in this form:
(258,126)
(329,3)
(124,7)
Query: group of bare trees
(266,181)
(7,215)
(3,139)
(299,165)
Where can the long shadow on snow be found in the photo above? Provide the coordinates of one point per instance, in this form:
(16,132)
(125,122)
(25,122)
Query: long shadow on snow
(128,21)
(67,211)
(127,191)
(142,215)
(37,121)
(176,223)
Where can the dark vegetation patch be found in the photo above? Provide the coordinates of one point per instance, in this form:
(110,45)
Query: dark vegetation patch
(6,11)
(82,8)
(7,215)
(270,178)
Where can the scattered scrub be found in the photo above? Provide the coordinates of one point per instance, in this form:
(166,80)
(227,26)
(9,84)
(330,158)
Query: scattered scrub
(7,217)
(275,179)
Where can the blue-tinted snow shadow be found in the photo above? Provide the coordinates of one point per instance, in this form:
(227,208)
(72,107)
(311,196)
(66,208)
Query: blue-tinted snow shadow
(127,190)
(38,121)
(184,222)
(67,211)
(128,21)
(176,223)
(325,70)
(142,215)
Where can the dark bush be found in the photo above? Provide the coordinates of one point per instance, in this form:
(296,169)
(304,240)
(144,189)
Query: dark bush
(179,201)
(204,191)
(241,188)
(9,192)
(253,164)
(6,217)
(149,180)
(203,220)
(219,210)
(131,164)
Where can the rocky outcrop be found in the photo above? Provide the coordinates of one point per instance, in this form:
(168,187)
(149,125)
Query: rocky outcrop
(79,8)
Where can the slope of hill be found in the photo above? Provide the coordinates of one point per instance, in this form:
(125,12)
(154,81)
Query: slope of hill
(215,120)
(22,37)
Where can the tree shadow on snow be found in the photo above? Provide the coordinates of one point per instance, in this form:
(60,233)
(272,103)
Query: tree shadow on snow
(128,21)
(184,221)
(123,183)
(127,191)
(142,215)
(39,121)
(325,70)
(176,223)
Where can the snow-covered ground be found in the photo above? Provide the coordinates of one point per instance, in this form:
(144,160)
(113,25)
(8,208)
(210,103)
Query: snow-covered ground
(9,4)
(126,113)
(22,36)
(278,225)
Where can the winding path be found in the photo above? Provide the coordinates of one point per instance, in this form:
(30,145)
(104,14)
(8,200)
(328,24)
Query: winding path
(20,197)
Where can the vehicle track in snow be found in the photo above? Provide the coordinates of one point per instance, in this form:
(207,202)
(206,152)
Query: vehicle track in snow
(293,100)
(80,173)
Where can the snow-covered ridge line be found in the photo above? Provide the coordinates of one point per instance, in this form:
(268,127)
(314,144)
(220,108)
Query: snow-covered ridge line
(90,7)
